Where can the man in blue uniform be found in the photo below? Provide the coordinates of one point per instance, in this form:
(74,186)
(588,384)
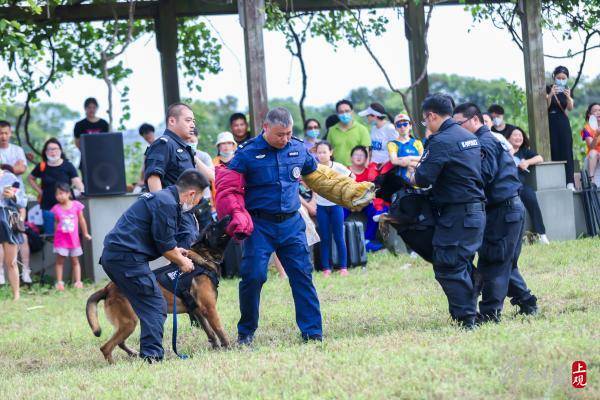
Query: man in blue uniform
(170,155)
(272,164)
(451,164)
(504,214)
(145,232)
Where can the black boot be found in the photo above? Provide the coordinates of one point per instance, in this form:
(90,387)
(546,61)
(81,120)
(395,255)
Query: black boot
(466,323)
(527,307)
(494,316)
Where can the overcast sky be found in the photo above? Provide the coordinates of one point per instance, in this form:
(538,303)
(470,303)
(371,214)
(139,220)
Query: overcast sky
(456,46)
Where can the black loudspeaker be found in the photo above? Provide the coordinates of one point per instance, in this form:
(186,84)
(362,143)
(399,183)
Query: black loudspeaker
(103,164)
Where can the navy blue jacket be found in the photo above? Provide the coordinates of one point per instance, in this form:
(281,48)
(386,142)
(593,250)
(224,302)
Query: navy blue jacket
(272,175)
(451,164)
(499,172)
(168,157)
(147,229)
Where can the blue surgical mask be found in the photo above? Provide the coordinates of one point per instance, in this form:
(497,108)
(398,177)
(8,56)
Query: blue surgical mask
(313,133)
(227,153)
(560,82)
(373,123)
(345,118)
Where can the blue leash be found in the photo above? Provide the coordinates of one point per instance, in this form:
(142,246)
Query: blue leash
(181,356)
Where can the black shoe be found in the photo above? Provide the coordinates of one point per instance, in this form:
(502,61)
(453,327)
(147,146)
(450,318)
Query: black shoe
(466,323)
(151,360)
(245,340)
(528,307)
(494,316)
(312,338)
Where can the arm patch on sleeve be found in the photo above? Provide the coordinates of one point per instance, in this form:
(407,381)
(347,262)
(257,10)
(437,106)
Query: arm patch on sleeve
(468,144)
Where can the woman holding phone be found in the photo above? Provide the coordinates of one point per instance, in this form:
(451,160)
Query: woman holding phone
(560,102)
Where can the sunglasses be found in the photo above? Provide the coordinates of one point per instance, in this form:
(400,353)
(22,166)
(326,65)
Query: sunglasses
(401,124)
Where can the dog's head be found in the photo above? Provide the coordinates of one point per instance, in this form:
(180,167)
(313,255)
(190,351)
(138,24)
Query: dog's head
(212,241)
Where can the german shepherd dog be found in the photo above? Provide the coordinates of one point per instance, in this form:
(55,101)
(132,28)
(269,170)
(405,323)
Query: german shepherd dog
(207,252)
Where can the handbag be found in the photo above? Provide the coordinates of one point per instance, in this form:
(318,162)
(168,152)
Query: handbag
(15,222)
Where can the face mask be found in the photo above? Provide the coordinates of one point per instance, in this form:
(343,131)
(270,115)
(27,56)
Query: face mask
(227,154)
(185,207)
(345,118)
(560,82)
(373,123)
(497,121)
(52,160)
(313,133)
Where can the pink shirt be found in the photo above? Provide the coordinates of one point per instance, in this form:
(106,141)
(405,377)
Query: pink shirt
(66,234)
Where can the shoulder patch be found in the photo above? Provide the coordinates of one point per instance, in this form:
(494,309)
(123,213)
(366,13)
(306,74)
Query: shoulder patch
(147,195)
(468,144)
(164,138)
(246,143)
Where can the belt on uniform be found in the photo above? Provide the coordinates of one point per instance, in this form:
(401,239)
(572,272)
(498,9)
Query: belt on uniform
(468,207)
(505,203)
(272,217)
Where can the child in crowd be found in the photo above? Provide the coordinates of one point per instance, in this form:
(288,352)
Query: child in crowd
(68,218)
(330,216)
(365,171)
(405,151)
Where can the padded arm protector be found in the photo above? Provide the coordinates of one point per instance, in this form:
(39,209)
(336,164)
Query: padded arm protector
(229,200)
(340,189)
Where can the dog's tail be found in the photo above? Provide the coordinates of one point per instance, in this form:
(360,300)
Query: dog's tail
(91,310)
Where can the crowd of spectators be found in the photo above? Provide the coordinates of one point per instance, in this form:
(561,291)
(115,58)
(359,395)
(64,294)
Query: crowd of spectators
(363,145)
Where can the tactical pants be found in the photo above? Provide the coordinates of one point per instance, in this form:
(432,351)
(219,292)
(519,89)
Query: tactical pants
(517,288)
(288,240)
(458,235)
(496,255)
(137,282)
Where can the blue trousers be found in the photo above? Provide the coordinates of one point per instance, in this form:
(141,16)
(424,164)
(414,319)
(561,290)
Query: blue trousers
(371,227)
(496,255)
(288,240)
(137,282)
(457,237)
(330,221)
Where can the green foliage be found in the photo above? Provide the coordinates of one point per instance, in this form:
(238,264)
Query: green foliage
(134,161)
(387,336)
(212,117)
(38,56)
(47,120)
(199,51)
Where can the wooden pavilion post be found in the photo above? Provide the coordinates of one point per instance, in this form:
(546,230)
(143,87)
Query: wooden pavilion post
(533,54)
(166,42)
(252,19)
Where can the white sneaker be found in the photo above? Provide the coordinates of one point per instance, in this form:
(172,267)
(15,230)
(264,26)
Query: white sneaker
(413,254)
(26,276)
(571,186)
(544,239)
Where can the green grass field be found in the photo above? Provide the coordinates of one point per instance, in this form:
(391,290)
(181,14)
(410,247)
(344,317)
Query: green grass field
(387,335)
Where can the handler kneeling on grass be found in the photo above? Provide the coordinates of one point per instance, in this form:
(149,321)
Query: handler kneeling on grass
(145,232)
(259,190)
